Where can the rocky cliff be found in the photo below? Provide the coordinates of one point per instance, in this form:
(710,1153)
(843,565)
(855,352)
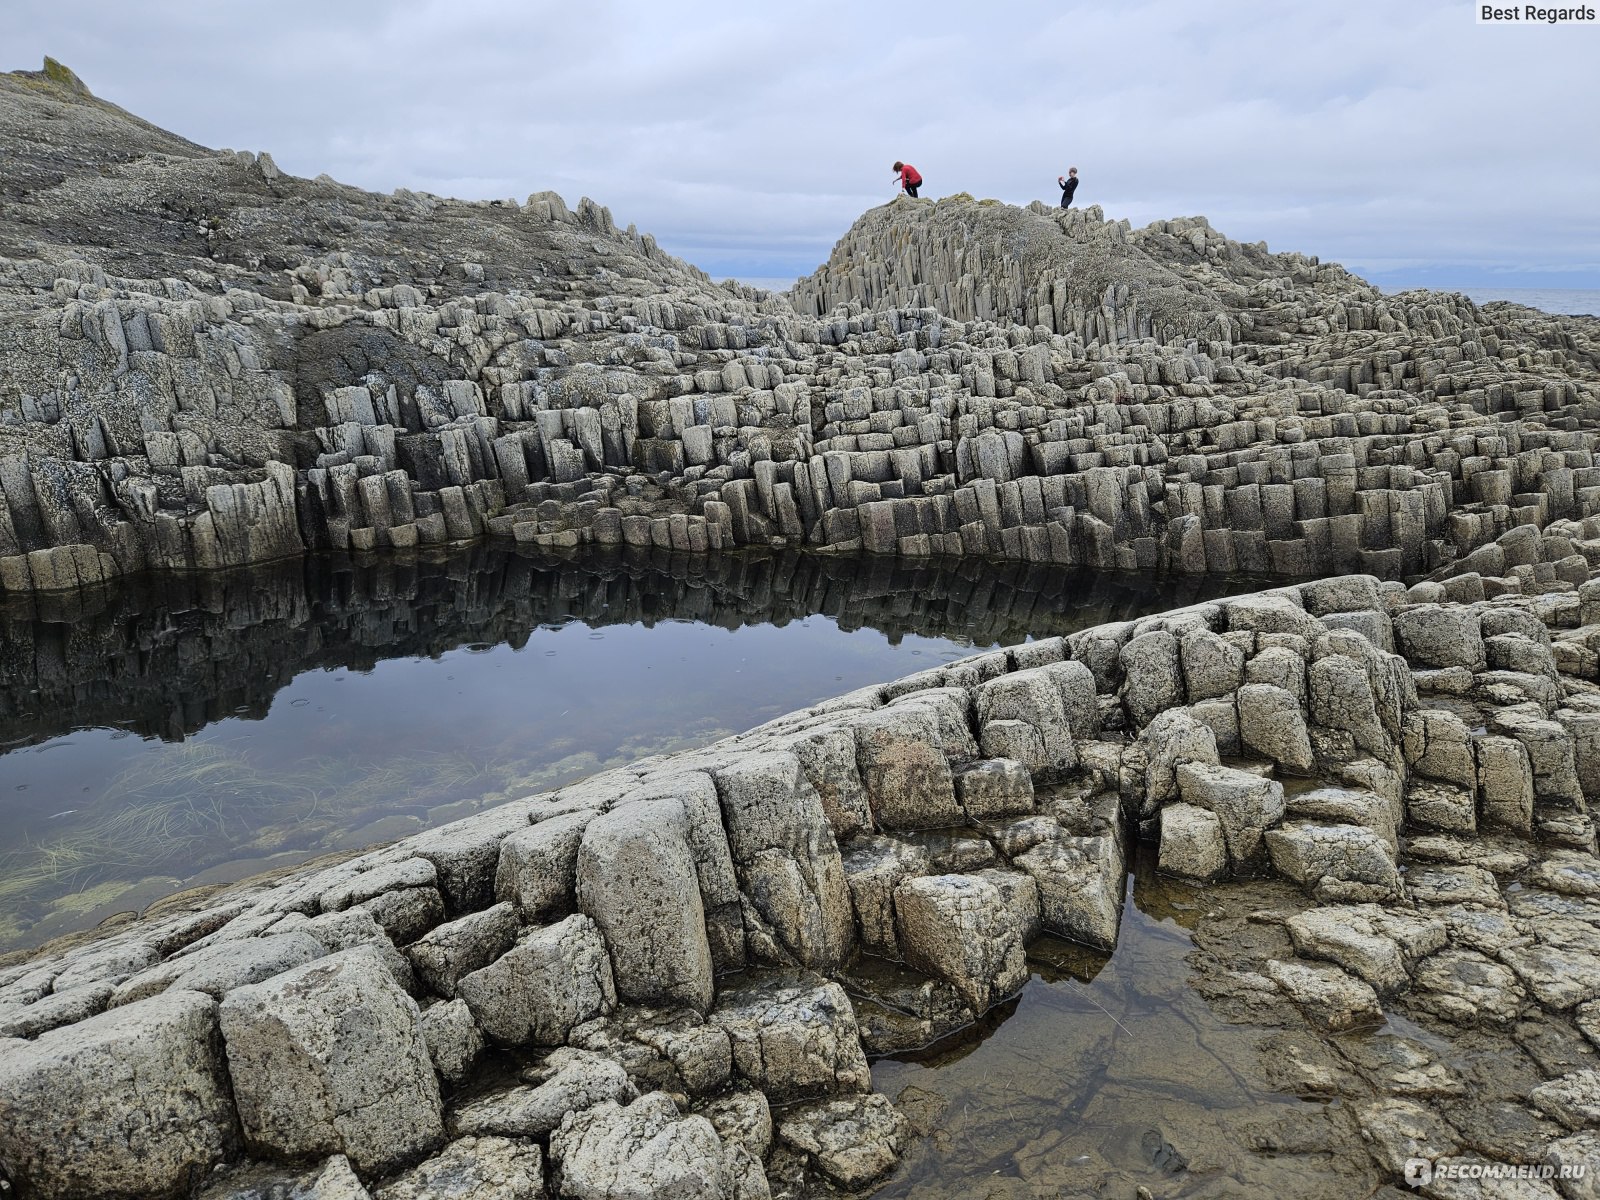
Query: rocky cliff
(205,362)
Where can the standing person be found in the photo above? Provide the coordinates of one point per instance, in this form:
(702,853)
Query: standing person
(1069,184)
(910,178)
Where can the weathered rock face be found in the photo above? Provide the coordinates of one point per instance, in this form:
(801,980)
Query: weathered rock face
(211,386)
(670,942)
(134,1102)
(331,1058)
(636,878)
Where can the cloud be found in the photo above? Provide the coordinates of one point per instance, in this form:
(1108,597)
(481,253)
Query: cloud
(748,137)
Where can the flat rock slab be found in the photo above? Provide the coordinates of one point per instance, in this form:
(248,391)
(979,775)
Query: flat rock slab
(133,1102)
(1330,998)
(474,1168)
(331,1058)
(221,967)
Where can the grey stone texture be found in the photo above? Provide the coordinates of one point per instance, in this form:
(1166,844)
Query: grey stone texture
(331,1058)
(132,1102)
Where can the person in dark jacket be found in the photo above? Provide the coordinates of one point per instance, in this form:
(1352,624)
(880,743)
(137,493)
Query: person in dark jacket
(1069,184)
(910,178)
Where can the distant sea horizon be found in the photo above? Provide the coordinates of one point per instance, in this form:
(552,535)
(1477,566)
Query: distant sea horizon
(1565,301)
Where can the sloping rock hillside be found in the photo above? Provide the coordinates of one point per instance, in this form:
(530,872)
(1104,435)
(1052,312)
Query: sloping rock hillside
(205,362)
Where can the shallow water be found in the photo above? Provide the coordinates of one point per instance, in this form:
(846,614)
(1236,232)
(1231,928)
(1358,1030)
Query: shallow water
(1111,1072)
(164,733)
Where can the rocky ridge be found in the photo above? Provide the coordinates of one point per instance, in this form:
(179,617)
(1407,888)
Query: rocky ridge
(691,958)
(205,362)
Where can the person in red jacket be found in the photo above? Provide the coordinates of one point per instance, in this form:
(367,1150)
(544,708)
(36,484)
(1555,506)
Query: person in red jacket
(910,178)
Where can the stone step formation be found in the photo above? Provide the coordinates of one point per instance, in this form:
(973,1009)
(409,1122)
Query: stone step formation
(666,979)
(694,956)
(205,362)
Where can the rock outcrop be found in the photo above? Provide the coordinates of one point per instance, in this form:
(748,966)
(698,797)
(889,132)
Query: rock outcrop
(205,362)
(726,935)
(670,949)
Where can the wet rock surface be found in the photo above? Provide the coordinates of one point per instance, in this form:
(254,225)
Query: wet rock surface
(1185,951)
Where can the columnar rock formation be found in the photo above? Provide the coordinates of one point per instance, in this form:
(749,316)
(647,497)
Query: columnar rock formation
(205,362)
(695,953)
(666,979)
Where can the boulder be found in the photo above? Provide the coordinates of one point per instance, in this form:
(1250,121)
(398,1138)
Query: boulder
(1079,698)
(536,868)
(1325,858)
(852,1141)
(793,1036)
(53,1011)
(1080,887)
(906,774)
(958,928)
(1341,698)
(1152,676)
(1272,724)
(1246,804)
(133,1102)
(637,880)
(378,879)
(553,979)
(454,1042)
(331,1058)
(447,952)
(696,794)
(1172,738)
(994,787)
(1340,936)
(1192,843)
(645,1150)
(466,853)
(1441,635)
(874,865)
(743,1118)
(1282,668)
(671,1050)
(1212,665)
(790,873)
(1505,781)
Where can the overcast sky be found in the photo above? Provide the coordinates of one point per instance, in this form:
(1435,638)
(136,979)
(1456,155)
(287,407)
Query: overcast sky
(1395,136)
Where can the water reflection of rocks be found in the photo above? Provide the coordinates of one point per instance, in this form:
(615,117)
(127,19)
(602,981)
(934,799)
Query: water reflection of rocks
(164,655)
(253,762)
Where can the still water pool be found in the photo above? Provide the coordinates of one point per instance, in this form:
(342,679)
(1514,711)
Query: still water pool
(167,733)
